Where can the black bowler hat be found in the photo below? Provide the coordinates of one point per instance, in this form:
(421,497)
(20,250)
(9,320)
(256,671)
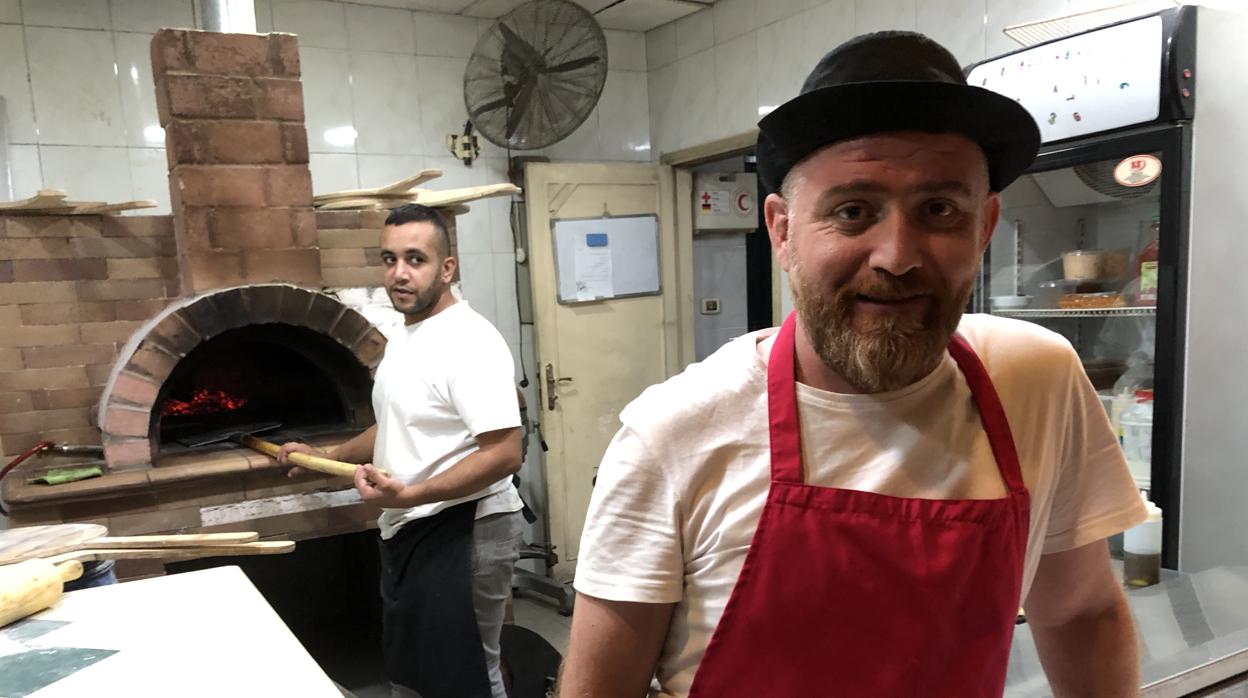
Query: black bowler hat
(894,81)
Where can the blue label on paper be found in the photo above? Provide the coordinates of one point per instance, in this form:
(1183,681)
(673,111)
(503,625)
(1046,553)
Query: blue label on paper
(596,239)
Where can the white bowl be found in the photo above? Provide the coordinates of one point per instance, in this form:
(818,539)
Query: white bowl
(1010,302)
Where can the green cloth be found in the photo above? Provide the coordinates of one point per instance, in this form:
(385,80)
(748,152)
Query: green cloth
(60,476)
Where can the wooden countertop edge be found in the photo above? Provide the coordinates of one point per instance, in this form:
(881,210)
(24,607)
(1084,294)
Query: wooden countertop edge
(17,493)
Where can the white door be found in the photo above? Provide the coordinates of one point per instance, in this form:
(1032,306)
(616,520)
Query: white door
(595,357)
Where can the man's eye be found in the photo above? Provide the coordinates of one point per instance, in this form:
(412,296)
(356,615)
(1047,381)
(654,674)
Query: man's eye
(941,209)
(851,213)
(388,261)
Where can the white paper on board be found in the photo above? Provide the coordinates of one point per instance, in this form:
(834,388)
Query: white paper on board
(593,271)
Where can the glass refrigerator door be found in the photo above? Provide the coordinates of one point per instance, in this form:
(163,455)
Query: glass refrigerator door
(1076,250)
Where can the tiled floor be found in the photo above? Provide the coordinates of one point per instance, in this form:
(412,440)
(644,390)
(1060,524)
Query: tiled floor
(539,614)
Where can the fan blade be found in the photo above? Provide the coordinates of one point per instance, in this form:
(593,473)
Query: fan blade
(520,108)
(491,106)
(573,65)
(515,45)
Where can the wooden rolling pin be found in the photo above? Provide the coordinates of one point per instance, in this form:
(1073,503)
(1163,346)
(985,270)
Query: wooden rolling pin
(305,460)
(33,585)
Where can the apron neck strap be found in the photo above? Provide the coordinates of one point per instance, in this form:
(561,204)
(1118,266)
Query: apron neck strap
(991,413)
(786,433)
(785,426)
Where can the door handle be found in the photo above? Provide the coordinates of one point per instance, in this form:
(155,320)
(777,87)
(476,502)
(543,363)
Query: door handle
(551,383)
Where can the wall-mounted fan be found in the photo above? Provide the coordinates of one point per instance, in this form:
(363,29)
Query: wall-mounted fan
(536,75)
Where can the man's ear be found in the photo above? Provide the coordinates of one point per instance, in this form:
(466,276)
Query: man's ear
(992,213)
(776,215)
(449,265)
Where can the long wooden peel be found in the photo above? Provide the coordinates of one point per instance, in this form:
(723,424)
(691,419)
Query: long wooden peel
(268,547)
(102,209)
(28,542)
(304,460)
(447,197)
(367,203)
(43,199)
(179,540)
(398,188)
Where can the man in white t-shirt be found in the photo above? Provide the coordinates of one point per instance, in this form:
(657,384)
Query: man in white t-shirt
(448,430)
(857,503)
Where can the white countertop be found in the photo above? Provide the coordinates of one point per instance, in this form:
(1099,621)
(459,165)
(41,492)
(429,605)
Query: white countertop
(204,633)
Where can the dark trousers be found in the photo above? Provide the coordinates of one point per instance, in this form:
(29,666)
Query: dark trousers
(430,639)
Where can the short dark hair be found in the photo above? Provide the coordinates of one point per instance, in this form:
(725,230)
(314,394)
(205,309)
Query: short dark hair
(416,213)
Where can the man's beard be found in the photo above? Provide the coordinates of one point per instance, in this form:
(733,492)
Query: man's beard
(422,299)
(885,352)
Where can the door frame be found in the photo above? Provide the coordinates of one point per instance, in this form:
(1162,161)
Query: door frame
(682,162)
(676,217)
(676,280)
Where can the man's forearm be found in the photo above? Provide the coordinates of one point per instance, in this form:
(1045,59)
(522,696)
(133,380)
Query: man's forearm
(1094,655)
(358,450)
(468,476)
(471,475)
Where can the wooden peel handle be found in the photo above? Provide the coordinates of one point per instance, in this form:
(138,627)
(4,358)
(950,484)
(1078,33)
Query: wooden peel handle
(305,460)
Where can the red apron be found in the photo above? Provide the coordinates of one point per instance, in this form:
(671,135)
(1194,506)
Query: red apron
(848,593)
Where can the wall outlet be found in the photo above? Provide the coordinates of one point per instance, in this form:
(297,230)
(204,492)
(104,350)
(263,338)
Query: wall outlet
(710,306)
(466,147)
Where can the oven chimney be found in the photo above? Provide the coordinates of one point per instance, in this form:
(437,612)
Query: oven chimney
(232,109)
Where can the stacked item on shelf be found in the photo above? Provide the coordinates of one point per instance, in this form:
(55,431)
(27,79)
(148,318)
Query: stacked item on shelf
(54,202)
(406,191)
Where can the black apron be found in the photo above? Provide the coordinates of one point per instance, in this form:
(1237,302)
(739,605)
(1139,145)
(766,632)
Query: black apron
(430,640)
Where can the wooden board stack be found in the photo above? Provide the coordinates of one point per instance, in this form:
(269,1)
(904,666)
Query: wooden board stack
(36,561)
(405,191)
(52,202)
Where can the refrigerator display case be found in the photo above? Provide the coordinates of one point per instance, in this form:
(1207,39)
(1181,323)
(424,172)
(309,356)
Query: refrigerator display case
(1092,240)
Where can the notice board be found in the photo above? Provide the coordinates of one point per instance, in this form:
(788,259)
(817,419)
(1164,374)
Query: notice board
(603,258)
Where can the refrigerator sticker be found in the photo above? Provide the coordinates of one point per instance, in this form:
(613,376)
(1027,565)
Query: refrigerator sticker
(1137,171)
(715,201)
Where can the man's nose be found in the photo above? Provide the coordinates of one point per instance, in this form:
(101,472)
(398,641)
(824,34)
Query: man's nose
(400,271)
(896,245)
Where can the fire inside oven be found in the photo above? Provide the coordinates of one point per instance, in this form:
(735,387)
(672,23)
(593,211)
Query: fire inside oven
(272,373)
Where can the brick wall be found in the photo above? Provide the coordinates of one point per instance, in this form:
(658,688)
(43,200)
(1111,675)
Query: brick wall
(72,291)
(350,256)
(232,109)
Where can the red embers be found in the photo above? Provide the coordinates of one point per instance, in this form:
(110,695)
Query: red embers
(203,401)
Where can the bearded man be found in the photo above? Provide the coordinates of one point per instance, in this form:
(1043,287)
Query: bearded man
(448,429)
(857,503)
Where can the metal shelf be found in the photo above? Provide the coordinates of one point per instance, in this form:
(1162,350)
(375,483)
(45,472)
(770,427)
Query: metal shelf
(1027,313)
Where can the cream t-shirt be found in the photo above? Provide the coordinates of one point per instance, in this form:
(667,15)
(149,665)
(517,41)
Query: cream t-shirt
(681,487)
(441,382)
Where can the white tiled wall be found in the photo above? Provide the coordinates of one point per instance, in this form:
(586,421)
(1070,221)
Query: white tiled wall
(714,73)
(382,90)
(79,104)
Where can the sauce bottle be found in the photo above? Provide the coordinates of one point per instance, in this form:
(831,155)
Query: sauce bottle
(1147,265)
(1142,550)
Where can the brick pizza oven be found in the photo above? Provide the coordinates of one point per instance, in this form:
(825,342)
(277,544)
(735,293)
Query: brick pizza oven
(138,333)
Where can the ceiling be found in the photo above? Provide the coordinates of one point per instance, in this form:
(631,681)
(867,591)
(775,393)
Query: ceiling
(626,15)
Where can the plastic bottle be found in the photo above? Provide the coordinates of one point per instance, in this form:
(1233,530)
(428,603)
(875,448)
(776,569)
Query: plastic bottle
(1139,375)
(1147,265)
(1137,438)
(1141,548)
